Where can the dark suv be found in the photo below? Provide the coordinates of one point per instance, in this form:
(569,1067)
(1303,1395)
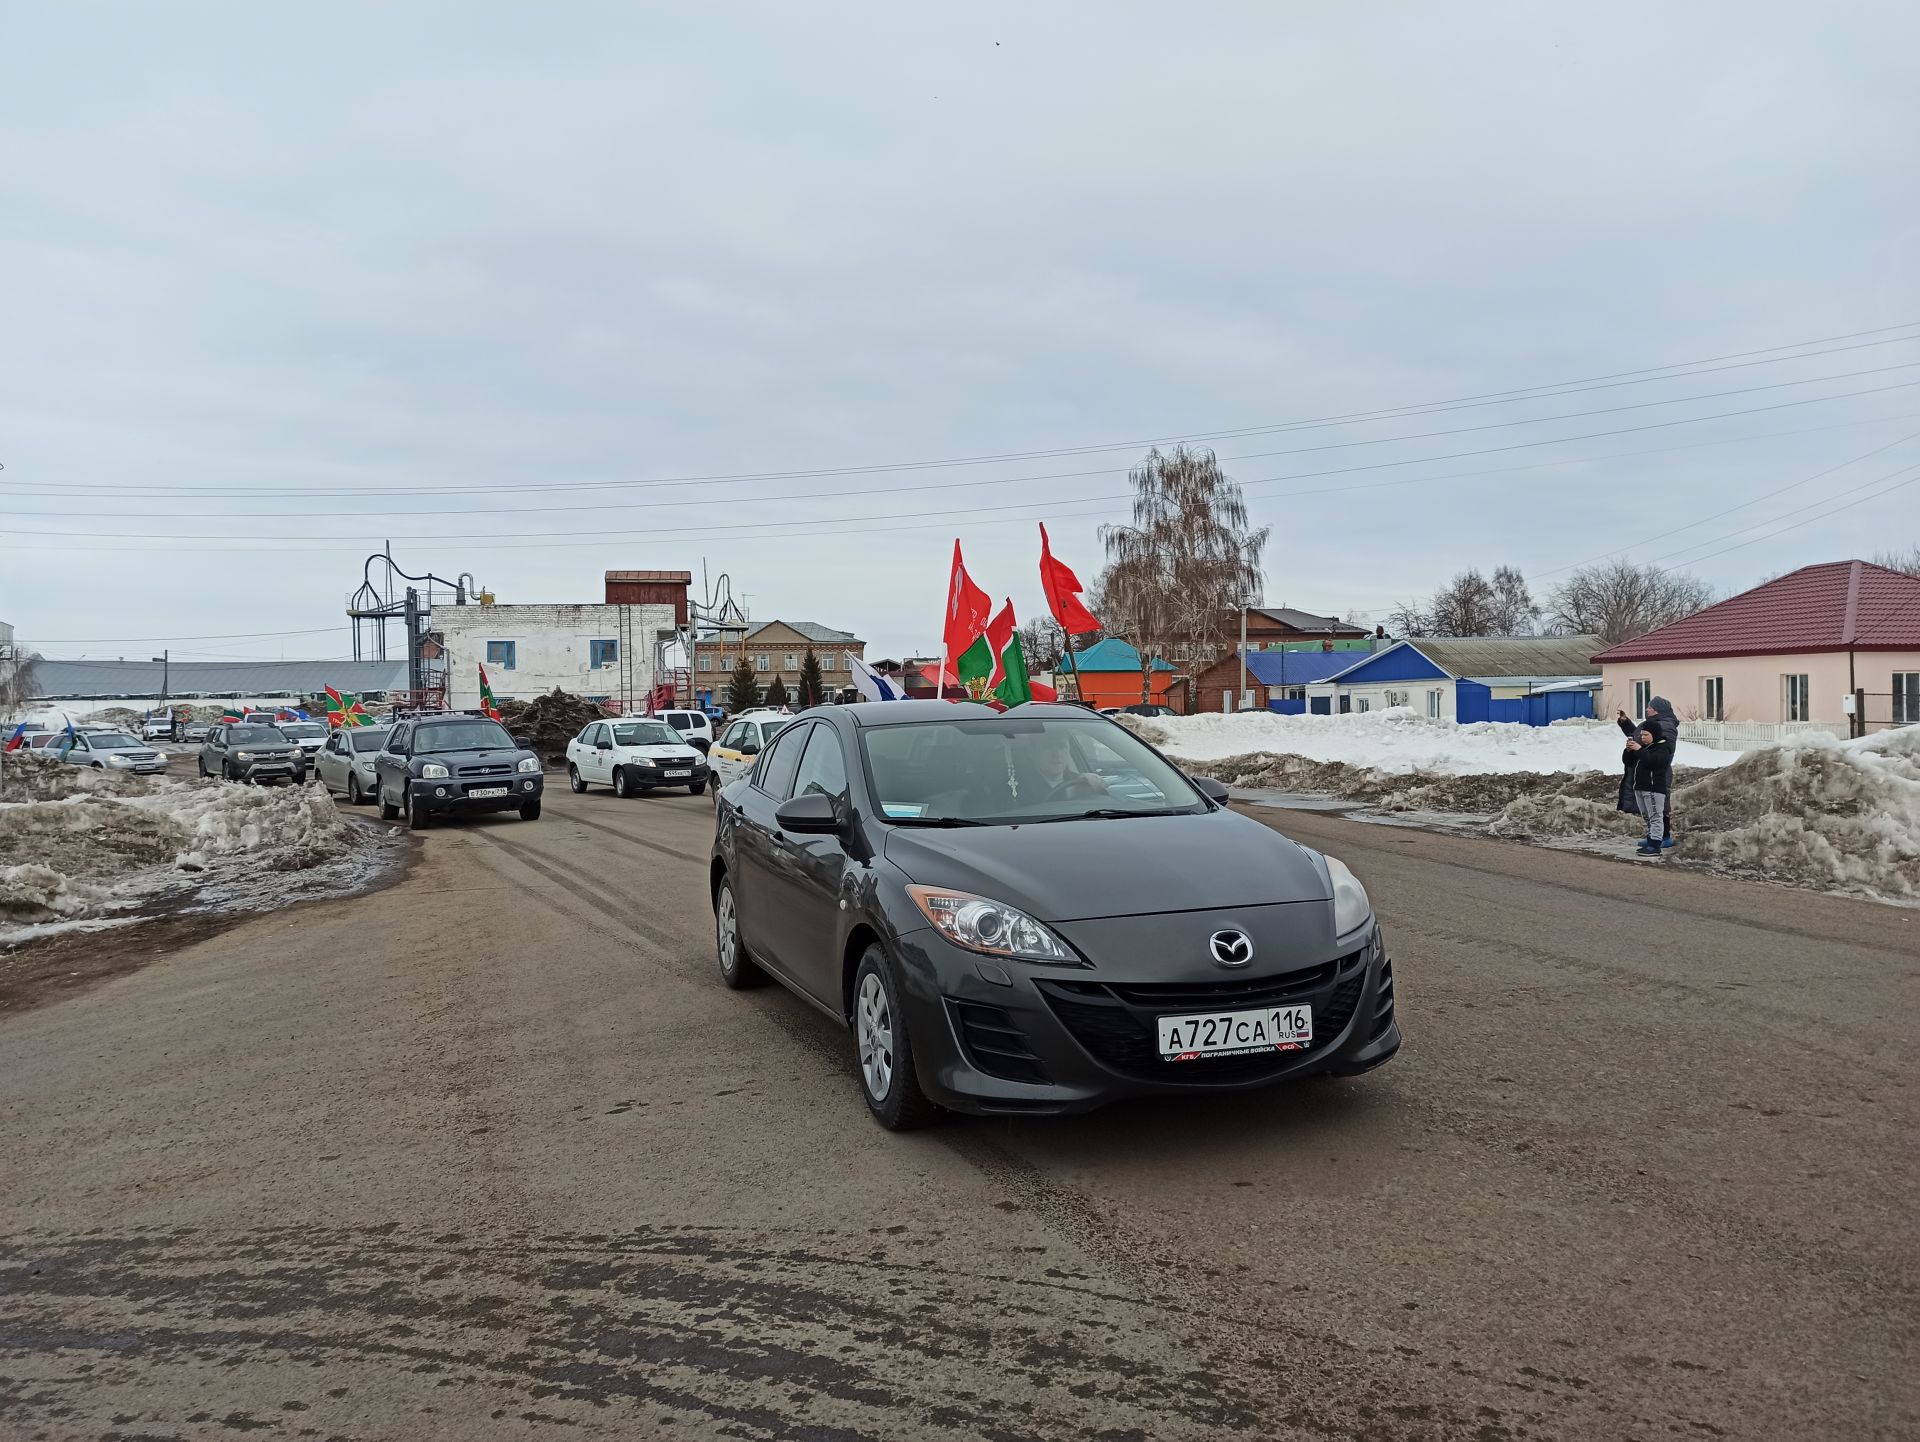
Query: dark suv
(248,751)
(454,764)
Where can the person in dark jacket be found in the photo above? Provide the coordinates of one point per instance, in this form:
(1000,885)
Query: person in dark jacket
(1648,763)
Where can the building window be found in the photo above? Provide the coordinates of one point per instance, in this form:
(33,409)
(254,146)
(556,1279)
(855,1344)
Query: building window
(1642,697)
(1713,697)
(726,662)
(603,653)
(1795,706)
(1433,703)
(1361,703)
(793,661)
(1399,698)
(706,663)
(500,653)
(1906,698)
(760,661)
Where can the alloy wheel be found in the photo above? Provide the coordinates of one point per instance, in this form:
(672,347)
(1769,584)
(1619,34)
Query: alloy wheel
(874,1031)
(726,929)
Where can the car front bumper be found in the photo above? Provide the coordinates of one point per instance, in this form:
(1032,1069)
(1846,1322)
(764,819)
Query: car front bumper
(994,1036)
(648,778)
(295,771)
(454,795)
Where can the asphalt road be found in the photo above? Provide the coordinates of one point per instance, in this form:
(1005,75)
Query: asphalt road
(491,1153)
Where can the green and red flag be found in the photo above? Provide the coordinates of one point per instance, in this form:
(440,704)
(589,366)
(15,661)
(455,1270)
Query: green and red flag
(486,695)
(344,709)
(968,607)
(232,716)
(1008,683)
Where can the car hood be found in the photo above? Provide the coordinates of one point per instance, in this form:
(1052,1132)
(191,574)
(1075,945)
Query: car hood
(665,751)
(1131,866)
(454,760)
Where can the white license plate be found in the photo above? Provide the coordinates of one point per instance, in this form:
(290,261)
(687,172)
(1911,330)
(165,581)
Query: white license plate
(1235,1033)
(484,791)
(672,774)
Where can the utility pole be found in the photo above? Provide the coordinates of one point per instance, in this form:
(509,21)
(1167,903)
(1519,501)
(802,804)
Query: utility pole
(1242,701)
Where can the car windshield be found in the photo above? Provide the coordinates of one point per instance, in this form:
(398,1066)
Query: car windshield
(110,741)
(254,736)
(644,733)
(1018,769)
(475,735)
(297,729)
(368,738)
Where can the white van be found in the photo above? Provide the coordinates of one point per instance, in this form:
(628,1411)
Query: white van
(695,727)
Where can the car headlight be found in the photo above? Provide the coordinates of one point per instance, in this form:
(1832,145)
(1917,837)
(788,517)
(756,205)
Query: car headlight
(434,771)
(529,763)
(118,760)
(1350,905)
(243,756)
(991,927)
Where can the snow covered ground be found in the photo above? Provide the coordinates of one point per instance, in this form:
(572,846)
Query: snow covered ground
(79,845)
(1399,741)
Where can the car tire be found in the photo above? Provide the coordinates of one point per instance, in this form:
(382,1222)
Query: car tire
(203,769)
(697,789)
(355,796)
(620,786)
(530,810)
(737,969)
(883,1052)
(416,813)
(575,780)
(388,811)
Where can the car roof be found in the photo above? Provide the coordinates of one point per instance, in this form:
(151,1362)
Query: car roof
(895,713)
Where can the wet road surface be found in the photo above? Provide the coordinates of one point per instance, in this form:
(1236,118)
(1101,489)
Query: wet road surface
(491,1153)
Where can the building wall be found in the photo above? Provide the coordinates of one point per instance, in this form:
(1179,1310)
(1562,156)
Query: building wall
(774,643)
(1121,688)
(552,647)
(1428,696)
(1753,688)
(1213,688)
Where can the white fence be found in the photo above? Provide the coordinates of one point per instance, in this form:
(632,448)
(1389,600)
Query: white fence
(1749,735)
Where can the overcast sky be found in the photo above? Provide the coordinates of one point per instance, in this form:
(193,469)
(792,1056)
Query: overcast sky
(320,262)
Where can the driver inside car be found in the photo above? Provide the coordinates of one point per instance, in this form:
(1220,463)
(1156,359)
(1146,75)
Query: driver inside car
(1055,772)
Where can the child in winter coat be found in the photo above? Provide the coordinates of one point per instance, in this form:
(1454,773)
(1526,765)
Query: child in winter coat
(1648,761)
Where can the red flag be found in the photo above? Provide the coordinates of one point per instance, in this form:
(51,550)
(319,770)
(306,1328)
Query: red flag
(967,610)
(1000,631)
(1063,592)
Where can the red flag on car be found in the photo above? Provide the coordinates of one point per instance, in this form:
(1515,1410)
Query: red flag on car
(967,610)
(1063,592)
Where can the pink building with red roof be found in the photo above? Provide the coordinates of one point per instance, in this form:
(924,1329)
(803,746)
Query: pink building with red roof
(1791,650)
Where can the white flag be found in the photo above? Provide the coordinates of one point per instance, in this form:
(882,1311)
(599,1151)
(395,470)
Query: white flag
(871,685)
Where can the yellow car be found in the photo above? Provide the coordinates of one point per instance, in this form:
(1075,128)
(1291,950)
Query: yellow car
(740,744)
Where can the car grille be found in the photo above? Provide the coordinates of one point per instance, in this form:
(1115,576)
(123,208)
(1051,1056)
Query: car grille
(490,768)
(995,1044)
(1116,1023)
(1382,1004)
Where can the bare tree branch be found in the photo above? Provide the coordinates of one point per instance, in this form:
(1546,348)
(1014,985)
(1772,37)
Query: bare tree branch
(1618,600)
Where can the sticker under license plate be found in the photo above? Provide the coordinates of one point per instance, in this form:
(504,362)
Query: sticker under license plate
(1235,1033)
(485,791)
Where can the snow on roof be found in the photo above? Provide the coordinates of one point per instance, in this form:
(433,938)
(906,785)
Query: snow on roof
(1835,606)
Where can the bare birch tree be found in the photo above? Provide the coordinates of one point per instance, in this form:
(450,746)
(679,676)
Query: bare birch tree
(1180,572)
(1618,600)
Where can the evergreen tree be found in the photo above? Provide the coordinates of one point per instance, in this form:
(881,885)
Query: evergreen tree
(743,692)
(813,688)
(777,691)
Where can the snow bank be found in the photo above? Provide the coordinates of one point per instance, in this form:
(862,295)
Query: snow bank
(1400,740)
(84,843)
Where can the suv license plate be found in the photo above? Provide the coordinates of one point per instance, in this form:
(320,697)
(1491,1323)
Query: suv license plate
(484,791)
(672,775)
(1235,1033)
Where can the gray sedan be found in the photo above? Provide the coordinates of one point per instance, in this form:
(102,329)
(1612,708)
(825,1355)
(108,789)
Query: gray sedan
(114,751)
(345,763)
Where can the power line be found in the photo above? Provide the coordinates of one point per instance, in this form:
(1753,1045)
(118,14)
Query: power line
(559,539)
(1816,505)
(1546,392)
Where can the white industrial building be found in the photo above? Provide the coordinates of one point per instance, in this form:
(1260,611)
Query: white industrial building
(603,652)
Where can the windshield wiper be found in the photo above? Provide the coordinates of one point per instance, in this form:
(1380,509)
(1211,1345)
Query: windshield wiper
(934,821)
(1105,813)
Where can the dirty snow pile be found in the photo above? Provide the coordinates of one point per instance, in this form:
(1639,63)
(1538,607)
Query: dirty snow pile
(77,843)
(1809,811)
(1399,740)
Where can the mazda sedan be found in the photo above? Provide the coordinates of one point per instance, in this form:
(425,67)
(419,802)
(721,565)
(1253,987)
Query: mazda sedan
(1034,911)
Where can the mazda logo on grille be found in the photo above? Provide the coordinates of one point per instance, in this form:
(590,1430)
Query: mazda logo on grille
(1231,948)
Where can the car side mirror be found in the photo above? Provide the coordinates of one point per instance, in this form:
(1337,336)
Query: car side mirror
(1211,789)
(809,815)
(521,742)
(750,748)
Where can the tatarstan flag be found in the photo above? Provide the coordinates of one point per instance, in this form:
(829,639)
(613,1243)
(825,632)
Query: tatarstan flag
(232,716)
(486,694)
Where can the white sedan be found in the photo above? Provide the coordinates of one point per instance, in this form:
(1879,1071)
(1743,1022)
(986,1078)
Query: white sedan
(633,756)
